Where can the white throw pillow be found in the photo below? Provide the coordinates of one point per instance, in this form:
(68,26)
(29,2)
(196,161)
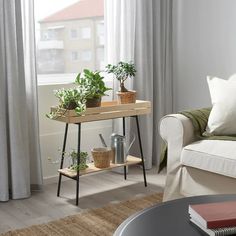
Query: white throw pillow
(222,119)
(232,77)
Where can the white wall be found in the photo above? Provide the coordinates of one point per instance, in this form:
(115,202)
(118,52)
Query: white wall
(204,44)
(52,132)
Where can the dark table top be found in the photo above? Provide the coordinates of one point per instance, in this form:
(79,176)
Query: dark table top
(168,218)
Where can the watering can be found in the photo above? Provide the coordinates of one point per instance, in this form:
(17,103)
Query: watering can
(119,148)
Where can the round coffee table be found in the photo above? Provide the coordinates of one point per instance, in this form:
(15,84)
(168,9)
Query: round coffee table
(168,218)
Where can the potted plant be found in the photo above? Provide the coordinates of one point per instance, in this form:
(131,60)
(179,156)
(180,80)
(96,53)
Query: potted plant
(93,87)
(84,157)
(69,99)
(122,71)
(88,93)
(83,161)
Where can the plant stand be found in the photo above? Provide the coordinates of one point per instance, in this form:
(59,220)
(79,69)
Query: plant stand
(108,110)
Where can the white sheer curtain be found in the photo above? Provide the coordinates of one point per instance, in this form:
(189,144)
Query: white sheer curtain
(20,163)
(141,31)
(120,40)
(120,35)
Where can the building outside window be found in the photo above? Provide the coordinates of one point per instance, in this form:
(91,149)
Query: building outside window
(66,34)
(86,33)
(100,33)
(74,55)
(74,34)
(100,58)
(86,55)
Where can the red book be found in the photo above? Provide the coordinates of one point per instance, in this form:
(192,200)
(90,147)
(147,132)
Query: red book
(214,215)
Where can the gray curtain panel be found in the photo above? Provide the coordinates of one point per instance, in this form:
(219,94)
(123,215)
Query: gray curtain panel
(147,40)
(20,163)
(153,59)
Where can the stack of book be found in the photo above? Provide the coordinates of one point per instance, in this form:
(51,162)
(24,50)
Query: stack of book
(215,218)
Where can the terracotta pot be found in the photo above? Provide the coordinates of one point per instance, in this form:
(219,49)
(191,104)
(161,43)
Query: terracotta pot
(93,102)
(126,97)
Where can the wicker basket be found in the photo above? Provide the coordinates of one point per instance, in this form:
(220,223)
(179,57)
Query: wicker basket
(101,157)
(126,97)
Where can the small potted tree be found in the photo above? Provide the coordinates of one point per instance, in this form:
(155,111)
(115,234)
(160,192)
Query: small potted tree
(122,71)
(93,87)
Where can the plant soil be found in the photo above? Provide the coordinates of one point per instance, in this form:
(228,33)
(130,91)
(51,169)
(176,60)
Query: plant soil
(71,106)
(93,102)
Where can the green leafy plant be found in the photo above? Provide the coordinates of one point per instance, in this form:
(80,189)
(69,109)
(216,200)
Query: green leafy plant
(89,85)
(83,160)
(73,160)
(122,71)
(92,84)
(69,99)
(72,99)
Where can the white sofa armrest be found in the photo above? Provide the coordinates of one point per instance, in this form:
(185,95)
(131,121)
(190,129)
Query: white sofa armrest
(177,131)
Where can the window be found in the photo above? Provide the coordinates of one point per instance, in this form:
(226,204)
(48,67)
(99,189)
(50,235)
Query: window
(86,55)
(100,28)
(66,45)
(100,58)
(45,35)
(49,34)
(100,33)
(63,37)
(100,54)
(74,34)
(86,33)
(74,55)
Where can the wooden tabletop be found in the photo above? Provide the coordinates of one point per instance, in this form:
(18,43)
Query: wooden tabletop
(108,110)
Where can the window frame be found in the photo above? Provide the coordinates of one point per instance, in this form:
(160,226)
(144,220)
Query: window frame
(77,34)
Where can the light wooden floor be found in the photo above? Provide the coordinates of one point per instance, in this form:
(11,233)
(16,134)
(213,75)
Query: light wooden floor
(95,191)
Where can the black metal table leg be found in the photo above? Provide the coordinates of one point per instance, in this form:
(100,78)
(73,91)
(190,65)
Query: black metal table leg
(62,159)
(125,172)
(141,151)
(78,163)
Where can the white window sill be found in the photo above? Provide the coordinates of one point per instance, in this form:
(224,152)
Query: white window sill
(52,79)
(60,79)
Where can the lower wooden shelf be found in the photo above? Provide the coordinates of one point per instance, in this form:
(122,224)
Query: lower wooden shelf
(131,160)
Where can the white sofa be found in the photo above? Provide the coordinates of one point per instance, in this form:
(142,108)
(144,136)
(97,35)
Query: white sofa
(196,167)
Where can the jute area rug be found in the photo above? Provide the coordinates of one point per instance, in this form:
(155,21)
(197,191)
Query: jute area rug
(99,222)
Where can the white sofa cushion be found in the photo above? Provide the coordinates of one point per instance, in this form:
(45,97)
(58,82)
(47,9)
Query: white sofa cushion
(232,77)
(223,114)
(216,156)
